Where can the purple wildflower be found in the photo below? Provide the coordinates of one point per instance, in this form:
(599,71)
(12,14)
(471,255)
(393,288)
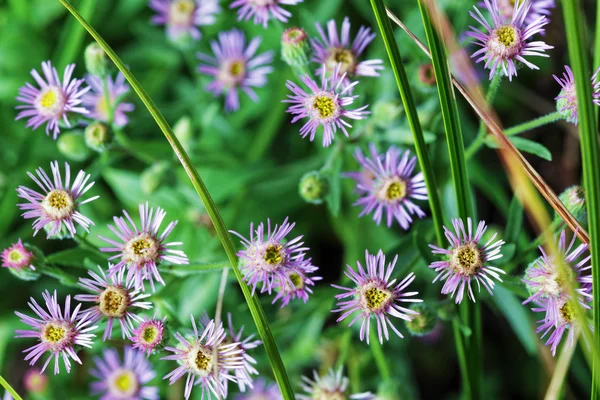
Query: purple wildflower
(565,322)
(123,380)
(149,334)
(375,295)
(302,281)
(18,257)
(263,10)
(58,207)
(242,375)
(324,105)
(466,259)
(386,183)
(56,331)
(235,66)
(505,43)
(114,299)
(183,17)
(35,381)
(142,251)
(332,50)
(538,8)
(196,357)
(53,100)
(566,101)
(98,100)
(261,391)
(334,385)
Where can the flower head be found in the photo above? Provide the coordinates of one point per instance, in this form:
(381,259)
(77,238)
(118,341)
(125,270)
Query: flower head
(386,183)
(538,8)
(565,321)
(261,391)
(574,199)
(375,296)
(123,380)
(53,100)
(424,322)
(301,279)
(57,332)
(243,375)
(566,101)
(324,105)
(332,50)
(263,10)
(183,17)
(269,258)
(332,386)
(505,44)
(197,354)
(35,381)
(295,47)
(99,100)
(96,60)
(149,335)
(235,67)
(17,256)
(142,250)
(465,260)
(58,206)
(114,299)
(313,187)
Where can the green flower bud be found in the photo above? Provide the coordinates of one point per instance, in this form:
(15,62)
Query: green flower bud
(295,48)
(154,176)
(184,131)
(424,322)
(72,145)
(313,187)
(24,274)
(98,136)
(96,60)
(574,199)
(446,311)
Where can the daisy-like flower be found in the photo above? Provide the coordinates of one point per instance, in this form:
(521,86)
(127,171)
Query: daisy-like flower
(115,299)
(375,295)
(57,207)
(332,50)
(183,17)
(323,105)
(505,43)
(243,375)
(98,100)
(235,67)
(538,8)
(53,100)
(149,334)
(18,257)
(261,391)
(263,10)
(270,258)
(334,385)
(566,101)
(386,183)
(35,381)
(301,288)
(197,355)
(465,260)
(58,333)
(142,251)
(123,380)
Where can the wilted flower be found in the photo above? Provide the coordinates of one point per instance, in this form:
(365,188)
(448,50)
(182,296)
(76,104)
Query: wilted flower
(424,322)
(235,67)
(53,100)
(102,103)
(295,48)
(183,17)
(196,357)
(566,101)
(58,206)
(334,385)
(123,380)
(505,43)
(302,281)
(465,260)
(243,375)
(17,256)
(35,381)
(324,105)
(261,391)
(115,300)
(263,10)
(142,251)
(58,333)
(149,335)
(386,183)
(375,295)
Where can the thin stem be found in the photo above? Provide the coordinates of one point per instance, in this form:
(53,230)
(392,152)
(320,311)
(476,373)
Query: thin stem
(9,389)
(380,359)
(534,123)
(108,104)
(489,100)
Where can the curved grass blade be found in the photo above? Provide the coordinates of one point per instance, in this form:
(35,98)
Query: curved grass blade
(9,389)
(262,325)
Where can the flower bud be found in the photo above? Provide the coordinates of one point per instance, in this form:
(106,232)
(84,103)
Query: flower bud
(35,381)
(72,145)
(574,199)
(295,48)
(426,75)
(184,131)
(423,323)
(154,176)
(96,60)
(98,136)
(313,187)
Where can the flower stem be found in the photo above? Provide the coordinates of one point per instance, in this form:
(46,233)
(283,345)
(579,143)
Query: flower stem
(534,123)
(9,389)
(108,104)
(380,359)
(489,100)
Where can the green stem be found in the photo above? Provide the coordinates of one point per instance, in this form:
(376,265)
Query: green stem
(258,314)
(380,359)
(9,389)
(534,123)
(109,107)
(489,100)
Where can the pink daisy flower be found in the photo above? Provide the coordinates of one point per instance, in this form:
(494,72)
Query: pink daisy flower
(263,10)
(183,17)
(334,385)
(149,335)
(98,100)
(566,101)
(17,257)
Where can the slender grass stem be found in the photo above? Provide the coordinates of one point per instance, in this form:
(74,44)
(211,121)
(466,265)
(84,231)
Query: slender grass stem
(489,100)
(535,123)
(108,104)
(9,389)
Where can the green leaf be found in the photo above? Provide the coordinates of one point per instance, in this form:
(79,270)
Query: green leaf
(403,135)
(526,145)
(187,270)
(508,252)
(516,315)
(74,257)
(514,221)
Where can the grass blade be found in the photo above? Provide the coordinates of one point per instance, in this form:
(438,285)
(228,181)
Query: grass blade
(262,325)
(9,389)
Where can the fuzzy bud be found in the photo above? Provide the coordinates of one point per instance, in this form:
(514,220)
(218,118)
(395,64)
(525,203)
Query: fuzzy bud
(98,136)
(154,176)
(184,131)
(313,187)
(96,60)
(574,199)
(72,145)
(295,48)
(423,323)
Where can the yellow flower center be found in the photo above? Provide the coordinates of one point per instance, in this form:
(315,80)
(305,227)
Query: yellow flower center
(50,102)
(466,259)
(53,333)
(123,384)
(375,299)
(297,280)
(114,302)
(201,360)
(325,106)
(567,312)
(48,99)
(181,12)
(237,68)
(327,394)
(273,254)
(149,334)
(507,35)
(142,248)
(15,256)
(342,56)
(58,204)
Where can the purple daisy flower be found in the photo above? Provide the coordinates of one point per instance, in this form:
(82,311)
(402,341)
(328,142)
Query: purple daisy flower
(18,257)
(332,50)
(324,105)
(300,289)
(114,299)
(58,333)
(57,208)
(375,295)
(566,101)
(243,375)
(334,385)
(196,357)
(386,182)
(149,335)
(263,10)
(538,8)
(97,102)
(235,66)
(465,260)
(262,391)
(123,380)
(269,259)
(183,17)
(53,100)
(506,41)
(142,251)
(35,381)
